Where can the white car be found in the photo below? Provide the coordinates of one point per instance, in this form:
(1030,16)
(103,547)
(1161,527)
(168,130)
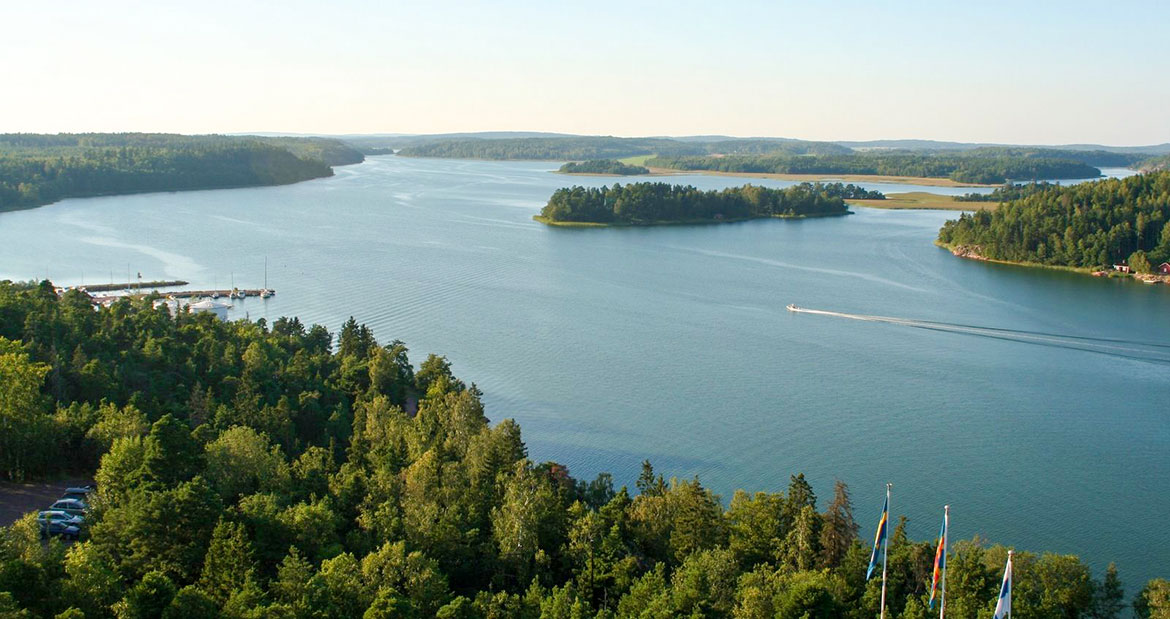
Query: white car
(76,507)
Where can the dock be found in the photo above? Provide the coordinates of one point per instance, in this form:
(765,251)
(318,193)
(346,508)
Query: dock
(131,286)
(187,294)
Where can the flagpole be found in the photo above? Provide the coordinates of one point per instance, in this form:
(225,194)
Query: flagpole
(886,549)
(1010,586)
(942,600)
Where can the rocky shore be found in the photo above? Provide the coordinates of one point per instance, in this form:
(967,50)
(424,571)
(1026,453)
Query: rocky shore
(971,252)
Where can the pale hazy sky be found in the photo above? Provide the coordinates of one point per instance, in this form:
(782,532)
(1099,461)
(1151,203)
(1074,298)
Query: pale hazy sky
(1022,72)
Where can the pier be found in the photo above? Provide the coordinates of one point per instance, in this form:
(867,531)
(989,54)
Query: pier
(131,286)
(188,294)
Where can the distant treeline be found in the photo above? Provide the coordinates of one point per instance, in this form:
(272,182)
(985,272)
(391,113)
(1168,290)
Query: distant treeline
(652,203)
(602,166)
(38,169)
(1096,158)
(580,148)
(1009,191)
(968,167)
(1084,225)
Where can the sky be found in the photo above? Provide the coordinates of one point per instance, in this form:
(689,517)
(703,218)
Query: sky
(1010,72)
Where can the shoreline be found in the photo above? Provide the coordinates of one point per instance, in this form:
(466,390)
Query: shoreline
(927,181)
(970,253)
(687,222)
(600,174)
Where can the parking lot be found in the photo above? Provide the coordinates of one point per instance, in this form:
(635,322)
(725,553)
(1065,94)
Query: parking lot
(17,500)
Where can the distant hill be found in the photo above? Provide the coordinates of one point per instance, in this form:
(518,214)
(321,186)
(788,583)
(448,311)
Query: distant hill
(38,169)
(1154,149)
(697,145)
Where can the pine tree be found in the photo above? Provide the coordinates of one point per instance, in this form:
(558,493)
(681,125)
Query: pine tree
(229,561)
(172,455)
(1108,596)
(840,529)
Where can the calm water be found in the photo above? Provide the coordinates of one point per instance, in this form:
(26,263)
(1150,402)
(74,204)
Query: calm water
(673,344)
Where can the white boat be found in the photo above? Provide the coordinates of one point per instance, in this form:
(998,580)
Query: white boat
(793,308)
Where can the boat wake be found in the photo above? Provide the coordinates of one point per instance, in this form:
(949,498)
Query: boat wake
(1155,352)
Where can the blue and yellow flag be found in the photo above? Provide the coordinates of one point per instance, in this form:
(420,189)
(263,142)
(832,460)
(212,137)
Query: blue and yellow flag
(880,538)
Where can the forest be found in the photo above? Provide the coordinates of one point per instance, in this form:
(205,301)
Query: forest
(605,147)
(247,469)
(38,169)
(1087,225)
(656,203)
(966,167)
(602,166)
(1008,191)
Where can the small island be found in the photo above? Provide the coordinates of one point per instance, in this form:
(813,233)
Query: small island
(1108,227)
(606,167)
(648,204)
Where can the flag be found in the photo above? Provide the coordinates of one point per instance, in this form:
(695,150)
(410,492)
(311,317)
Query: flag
(879,539)
(1003,608)
(940,561)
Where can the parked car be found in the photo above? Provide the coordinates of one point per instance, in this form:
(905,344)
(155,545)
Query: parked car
(76,507)
(55,523)
(80,493)
(57,515)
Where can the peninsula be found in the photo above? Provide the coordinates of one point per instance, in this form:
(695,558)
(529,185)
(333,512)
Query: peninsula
(1120,225)
(647,204)
(38,169)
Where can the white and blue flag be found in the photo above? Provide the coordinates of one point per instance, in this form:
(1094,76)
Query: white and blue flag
(1003,608)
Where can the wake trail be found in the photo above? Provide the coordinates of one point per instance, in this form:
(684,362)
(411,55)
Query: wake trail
(1117,347)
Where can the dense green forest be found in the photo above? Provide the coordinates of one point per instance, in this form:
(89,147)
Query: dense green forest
(602,166)
(1085,225)
(604,147)
(1096,158)
(966,167)
(1009,191)
(38,169)
(255,470)
(655,203)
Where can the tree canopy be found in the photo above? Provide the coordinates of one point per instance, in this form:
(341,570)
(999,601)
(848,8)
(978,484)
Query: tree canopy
(602,166)
(38,169)
(255,470)
(975,166)
(1085,225)
(655,203)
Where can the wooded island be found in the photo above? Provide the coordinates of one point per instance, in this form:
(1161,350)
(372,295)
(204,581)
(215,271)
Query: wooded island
(641,204)
(602,166)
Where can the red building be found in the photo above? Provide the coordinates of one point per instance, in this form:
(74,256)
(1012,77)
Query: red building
(1164,268)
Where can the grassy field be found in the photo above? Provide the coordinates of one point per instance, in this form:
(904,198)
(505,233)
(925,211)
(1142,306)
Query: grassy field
(636,160)
(923,200)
